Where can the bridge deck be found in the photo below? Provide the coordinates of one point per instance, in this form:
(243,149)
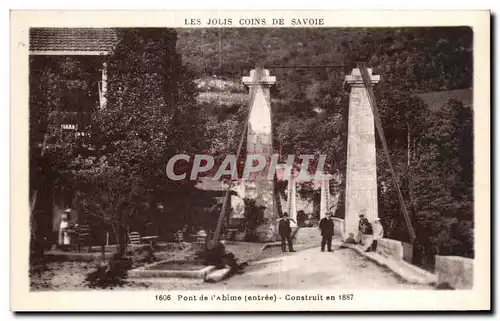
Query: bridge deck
(309,269)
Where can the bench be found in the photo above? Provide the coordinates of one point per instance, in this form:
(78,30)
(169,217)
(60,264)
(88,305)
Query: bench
(82,236)
(136,239)
(179,236)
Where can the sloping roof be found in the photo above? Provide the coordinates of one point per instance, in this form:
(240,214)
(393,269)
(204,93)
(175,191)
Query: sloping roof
(49,40)
(435,100)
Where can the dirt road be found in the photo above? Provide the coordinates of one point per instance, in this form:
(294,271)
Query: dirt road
(313,269)
(307,269)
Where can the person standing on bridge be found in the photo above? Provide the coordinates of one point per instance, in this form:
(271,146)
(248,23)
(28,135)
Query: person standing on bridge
(326,226)
(362,226)
(378,233)
(368,236)
(286,232)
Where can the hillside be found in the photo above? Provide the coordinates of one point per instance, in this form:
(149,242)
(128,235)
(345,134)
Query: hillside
(424,99)
(152,115)
(233,51)
(426,59)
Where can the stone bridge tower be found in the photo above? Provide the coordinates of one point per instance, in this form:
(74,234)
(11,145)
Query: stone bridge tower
(361,176)
(259,142)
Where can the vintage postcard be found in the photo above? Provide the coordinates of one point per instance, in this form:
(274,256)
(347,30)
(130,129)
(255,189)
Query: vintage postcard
(250,161)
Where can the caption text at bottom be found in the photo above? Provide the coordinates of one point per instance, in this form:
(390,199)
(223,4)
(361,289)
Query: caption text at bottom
(222,297)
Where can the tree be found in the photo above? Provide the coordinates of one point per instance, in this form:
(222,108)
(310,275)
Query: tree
(60,93)
(424,146)
(447,189)
(310,111)
(150,116)
(254,216)
(440,192)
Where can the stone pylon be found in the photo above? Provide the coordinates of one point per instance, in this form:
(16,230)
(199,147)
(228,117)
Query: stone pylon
(325,198)
(361,178)
(259,142)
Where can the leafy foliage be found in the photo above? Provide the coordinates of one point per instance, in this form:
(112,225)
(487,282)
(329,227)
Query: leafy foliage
(431,150)
(254,216)
(152,115)
(56,83)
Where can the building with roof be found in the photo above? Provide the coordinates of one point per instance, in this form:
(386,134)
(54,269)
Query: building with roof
(87,46)
(97,42)
(72,41)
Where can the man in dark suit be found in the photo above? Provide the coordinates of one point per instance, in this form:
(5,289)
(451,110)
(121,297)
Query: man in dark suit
(285,232)
(326,226)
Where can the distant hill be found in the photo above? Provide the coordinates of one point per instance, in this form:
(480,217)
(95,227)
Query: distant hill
(415,59)
(435,100)
(234,51)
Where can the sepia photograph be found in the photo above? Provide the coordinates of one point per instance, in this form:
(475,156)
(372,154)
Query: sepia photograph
(250,154)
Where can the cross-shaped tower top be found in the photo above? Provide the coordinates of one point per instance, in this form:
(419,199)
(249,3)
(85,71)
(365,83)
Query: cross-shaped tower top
(265,79)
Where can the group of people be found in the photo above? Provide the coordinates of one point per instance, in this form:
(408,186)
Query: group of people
(368,233)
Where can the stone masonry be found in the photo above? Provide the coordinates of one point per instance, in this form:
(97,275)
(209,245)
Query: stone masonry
(361,178)
(259,142)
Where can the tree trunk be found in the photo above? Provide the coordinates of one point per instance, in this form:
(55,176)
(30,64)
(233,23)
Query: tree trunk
(36,241)
(122,232)
(37,246)
(414,149)
(115,232)
(103,244)
(277,198)
(409,180)
(408,138)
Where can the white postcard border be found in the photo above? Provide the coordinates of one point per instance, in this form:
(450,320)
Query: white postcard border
(24,300)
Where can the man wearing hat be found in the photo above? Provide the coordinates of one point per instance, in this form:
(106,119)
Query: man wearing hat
(378,233)
(326,226)
(285,232)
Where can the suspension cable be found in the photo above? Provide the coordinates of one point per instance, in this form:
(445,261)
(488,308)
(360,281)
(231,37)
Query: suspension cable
(303,66)
(253,92)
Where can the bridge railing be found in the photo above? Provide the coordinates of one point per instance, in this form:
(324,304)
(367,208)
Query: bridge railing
(456,271)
